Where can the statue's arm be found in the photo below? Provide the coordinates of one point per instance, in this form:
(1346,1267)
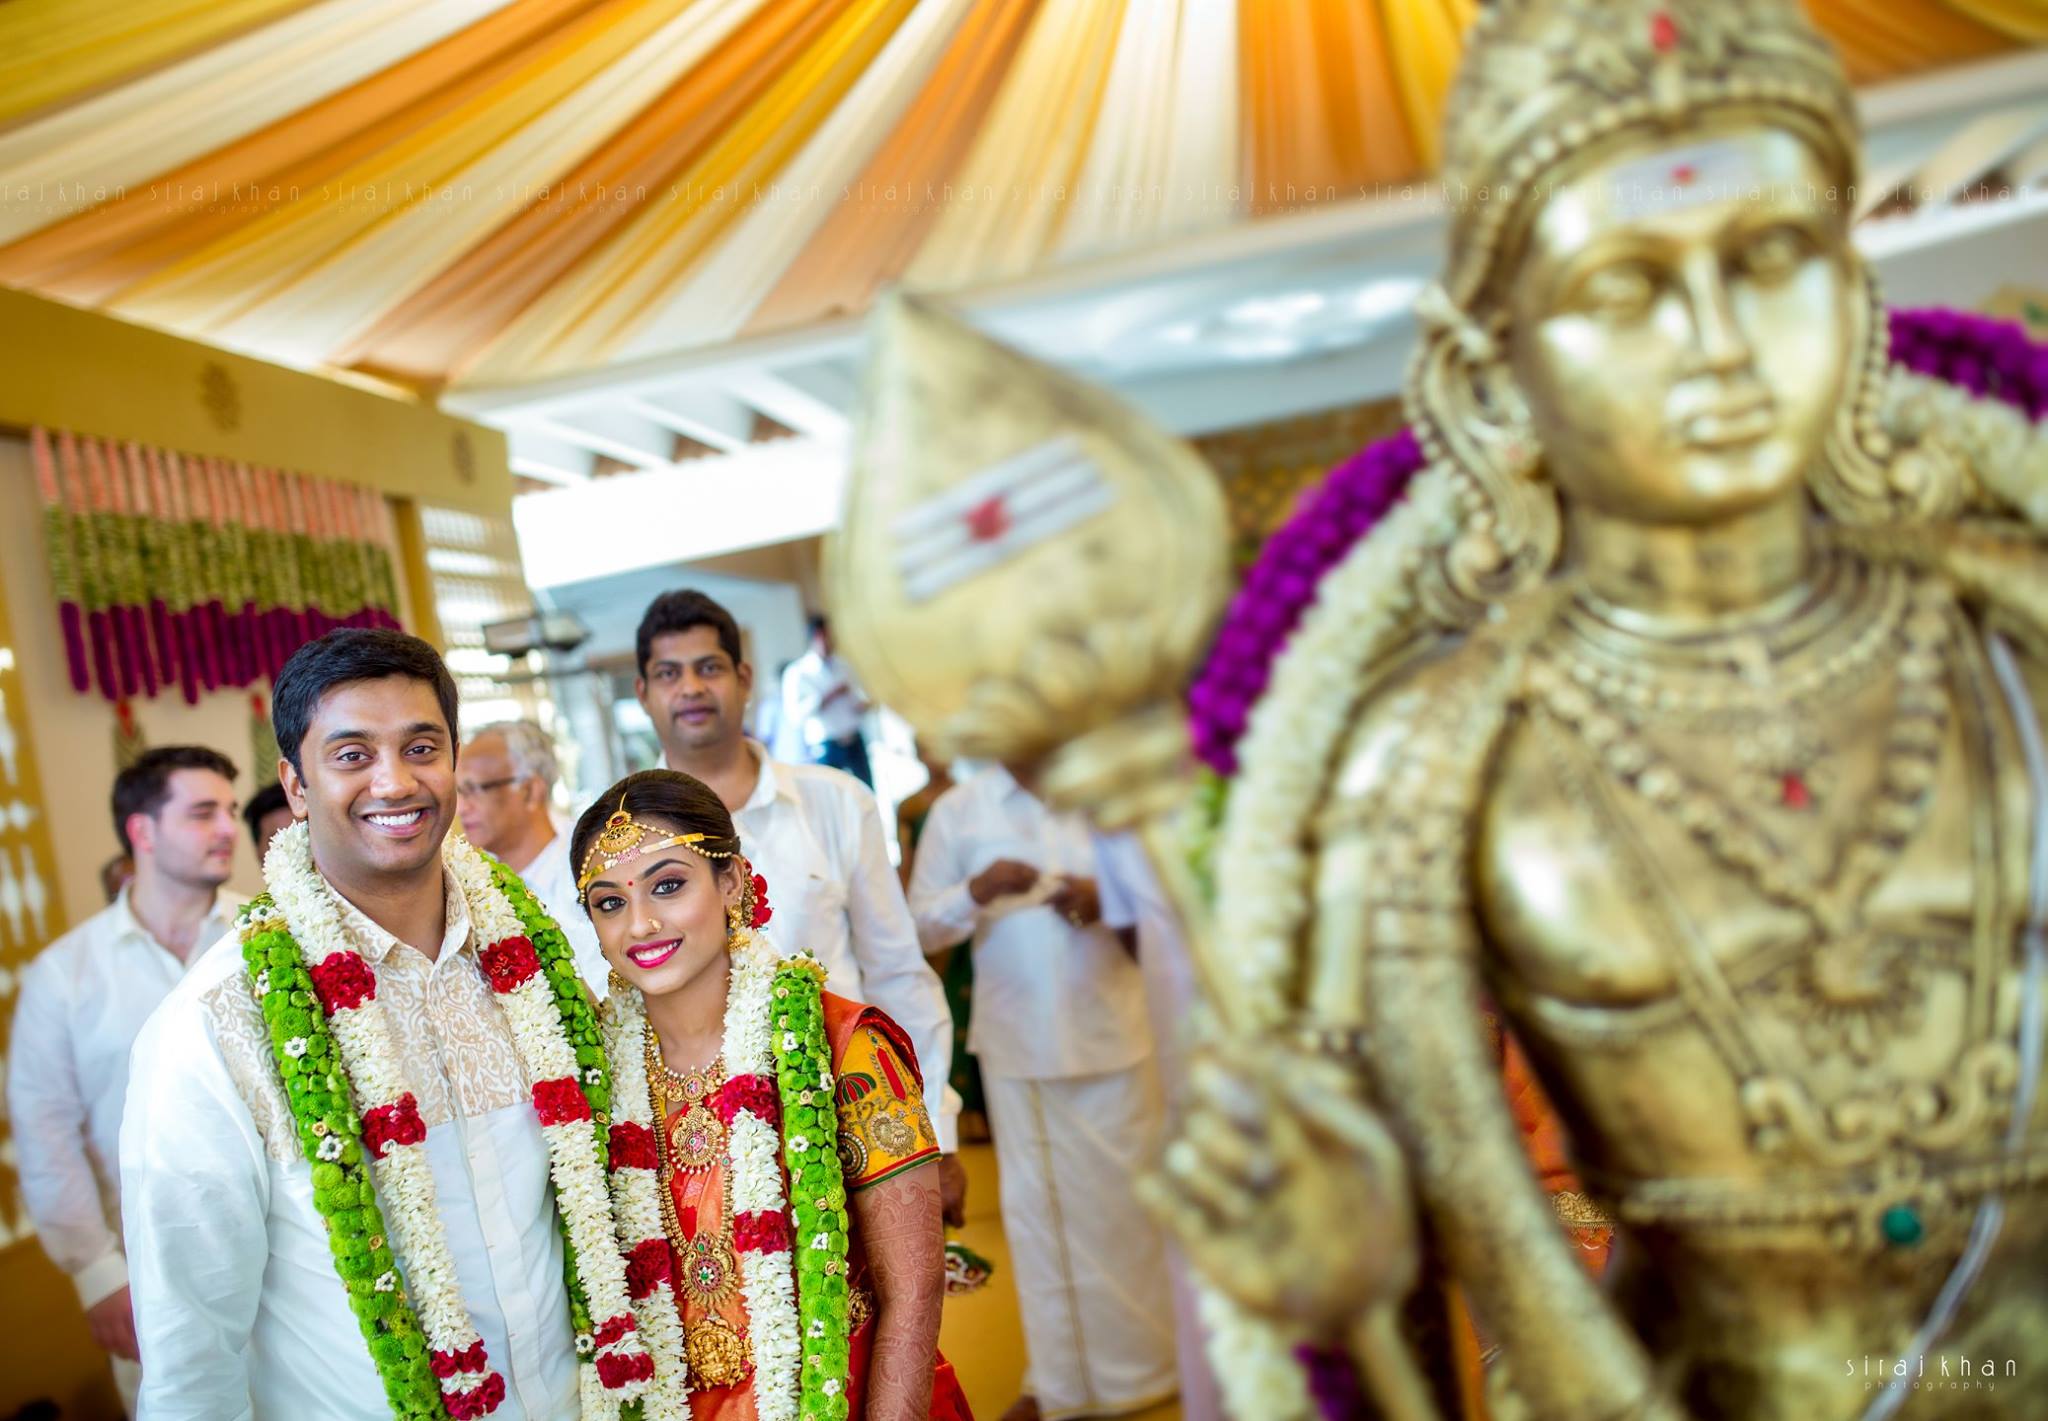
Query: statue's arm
(1395,950)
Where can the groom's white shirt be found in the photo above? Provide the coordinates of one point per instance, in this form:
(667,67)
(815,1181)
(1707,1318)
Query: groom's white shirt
(238,1307)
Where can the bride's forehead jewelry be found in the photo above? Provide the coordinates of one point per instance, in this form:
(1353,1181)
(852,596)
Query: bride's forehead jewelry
(624,837)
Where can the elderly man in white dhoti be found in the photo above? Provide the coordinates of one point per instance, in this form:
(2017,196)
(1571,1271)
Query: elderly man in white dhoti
(1059,1025)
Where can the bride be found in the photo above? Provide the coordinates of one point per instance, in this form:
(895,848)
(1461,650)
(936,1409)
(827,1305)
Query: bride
(771,1158)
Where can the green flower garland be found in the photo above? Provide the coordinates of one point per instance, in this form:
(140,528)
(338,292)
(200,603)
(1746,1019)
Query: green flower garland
(817,1187)
(342,1193)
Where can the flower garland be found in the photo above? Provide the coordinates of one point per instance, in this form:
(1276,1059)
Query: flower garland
(777,1105)
(196,572)
(427,1351)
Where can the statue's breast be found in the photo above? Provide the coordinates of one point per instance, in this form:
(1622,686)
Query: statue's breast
(1706,1025)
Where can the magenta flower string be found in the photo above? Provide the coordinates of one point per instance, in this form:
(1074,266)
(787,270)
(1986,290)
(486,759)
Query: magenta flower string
(1282,583)
(1992,359)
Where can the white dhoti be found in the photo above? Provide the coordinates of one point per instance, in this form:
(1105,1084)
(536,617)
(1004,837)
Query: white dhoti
(1089,1263)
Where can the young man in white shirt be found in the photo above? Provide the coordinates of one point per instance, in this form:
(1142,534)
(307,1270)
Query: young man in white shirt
(503,793)
(240,1310)
(82,1002)
(814,833)
(1066,1055)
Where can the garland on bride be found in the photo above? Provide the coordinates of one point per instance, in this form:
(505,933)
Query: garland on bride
(777,1104)
(359,1125)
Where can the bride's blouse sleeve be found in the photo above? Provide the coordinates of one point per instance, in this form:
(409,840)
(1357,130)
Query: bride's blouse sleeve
(884,1128)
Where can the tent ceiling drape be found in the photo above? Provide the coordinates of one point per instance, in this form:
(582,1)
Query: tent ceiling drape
(490,191)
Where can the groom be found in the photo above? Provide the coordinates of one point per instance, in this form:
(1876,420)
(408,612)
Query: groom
(239,1307)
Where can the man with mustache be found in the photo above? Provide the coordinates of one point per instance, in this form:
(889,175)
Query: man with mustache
(84,999)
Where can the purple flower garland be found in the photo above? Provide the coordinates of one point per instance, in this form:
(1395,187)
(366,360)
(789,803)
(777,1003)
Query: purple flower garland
(1992,359)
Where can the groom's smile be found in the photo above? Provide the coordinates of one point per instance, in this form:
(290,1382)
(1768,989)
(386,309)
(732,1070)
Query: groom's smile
(379,780)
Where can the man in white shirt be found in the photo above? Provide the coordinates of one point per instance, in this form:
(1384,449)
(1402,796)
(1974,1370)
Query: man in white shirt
(508,775)
(241,1313)
(814,833)
(825,707)
(82,1002)
(1059,1028)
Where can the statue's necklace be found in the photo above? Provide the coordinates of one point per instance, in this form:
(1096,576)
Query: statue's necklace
(1832,899)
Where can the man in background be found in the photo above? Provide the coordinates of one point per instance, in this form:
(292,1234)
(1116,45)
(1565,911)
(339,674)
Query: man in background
(82,1002)
(503,789)
(813,832)
(825,707)
(1067,1068)
(266,812)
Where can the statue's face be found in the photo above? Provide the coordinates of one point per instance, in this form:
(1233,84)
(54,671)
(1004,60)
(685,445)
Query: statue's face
(1679,326)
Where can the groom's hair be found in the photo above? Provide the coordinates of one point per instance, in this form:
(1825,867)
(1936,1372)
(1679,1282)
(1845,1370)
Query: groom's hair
(342,656)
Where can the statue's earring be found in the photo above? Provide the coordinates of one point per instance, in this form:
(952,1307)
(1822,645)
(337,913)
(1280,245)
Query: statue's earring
(1472,420)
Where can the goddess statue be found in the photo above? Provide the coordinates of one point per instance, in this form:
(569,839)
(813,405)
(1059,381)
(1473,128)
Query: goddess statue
(1697,730)
(1684,714)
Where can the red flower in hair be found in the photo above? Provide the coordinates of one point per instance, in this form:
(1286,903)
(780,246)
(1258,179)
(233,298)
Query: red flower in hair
(762,912)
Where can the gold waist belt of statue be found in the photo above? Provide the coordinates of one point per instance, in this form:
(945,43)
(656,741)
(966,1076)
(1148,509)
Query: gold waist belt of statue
(1903,1201)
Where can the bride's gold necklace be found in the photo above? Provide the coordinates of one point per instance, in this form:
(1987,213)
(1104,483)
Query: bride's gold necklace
(707,1265)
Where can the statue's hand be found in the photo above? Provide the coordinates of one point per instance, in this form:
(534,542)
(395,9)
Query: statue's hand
(1286,1191)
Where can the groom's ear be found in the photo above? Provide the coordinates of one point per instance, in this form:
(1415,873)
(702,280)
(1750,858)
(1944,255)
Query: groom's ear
(294,787)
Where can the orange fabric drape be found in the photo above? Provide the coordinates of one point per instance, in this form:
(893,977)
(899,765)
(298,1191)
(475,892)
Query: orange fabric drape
(440,326)
(872,238)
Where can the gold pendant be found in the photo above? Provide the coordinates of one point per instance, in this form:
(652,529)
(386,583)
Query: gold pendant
(711,1273)
(696,1138)
(716,1353)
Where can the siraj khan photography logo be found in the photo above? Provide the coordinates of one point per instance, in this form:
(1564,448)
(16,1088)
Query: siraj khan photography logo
(1945,1373)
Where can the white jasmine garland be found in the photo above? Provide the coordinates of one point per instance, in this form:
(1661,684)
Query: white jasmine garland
(582,1193)
(2007,453)
(1294,735)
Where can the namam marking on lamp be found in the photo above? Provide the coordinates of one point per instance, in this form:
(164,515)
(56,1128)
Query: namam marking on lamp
(1000,513)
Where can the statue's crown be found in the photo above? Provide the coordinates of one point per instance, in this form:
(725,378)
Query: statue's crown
(1543,80)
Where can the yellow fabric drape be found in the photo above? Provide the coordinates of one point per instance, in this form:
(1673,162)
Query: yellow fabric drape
(55,50)
(238,169)
(718,295)
(1901,36)
(345,291)
(97,254)
(182,111)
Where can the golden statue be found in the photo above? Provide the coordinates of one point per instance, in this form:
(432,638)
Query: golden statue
(1685,712)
